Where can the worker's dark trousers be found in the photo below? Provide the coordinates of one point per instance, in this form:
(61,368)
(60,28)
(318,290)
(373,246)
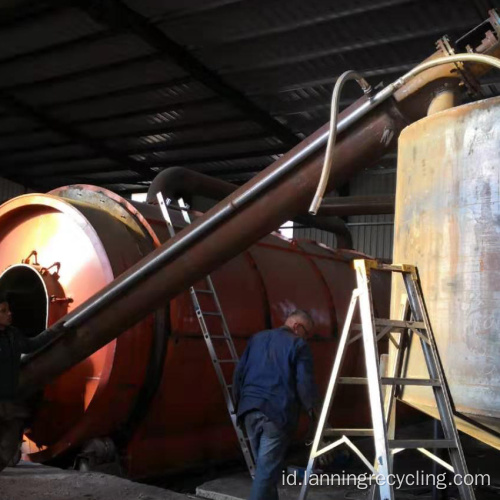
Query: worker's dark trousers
(269,444)
(11,430)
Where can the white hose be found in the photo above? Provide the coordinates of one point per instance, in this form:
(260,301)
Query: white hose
(382,95)
(334,111)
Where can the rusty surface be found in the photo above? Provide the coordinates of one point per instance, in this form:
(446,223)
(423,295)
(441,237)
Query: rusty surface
(417,95)
(447,223)
(443,100)
(358,205)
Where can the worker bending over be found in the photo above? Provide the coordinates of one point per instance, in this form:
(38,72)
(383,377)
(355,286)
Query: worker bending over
(274,377)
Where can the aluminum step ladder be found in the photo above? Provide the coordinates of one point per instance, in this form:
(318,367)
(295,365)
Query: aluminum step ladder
(383,406)
(216,342)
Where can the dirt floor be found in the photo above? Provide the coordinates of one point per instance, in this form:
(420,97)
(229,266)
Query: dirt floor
(37,482)
(29,481)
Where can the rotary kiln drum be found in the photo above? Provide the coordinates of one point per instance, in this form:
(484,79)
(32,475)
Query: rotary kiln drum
(448,224)
(153,390)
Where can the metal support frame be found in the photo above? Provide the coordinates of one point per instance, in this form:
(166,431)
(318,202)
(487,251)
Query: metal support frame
(383,406)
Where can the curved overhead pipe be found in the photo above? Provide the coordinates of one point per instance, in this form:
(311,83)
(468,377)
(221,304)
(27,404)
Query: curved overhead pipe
(180,182)
(333,225)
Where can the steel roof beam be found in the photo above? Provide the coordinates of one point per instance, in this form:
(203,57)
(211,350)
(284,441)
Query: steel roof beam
(116,14)
(126,92)
(71,44)
(368,43)
(74,135)
(167,108)
(76,75)
(198,127)
(25,13)
(352,10)
(184,127)
(10,164)
(50,170)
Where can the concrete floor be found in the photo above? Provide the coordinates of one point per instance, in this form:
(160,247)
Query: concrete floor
(39,482)
(237,487)
(480,459)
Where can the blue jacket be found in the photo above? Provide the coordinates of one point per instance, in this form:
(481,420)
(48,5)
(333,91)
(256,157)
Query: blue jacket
(275,375)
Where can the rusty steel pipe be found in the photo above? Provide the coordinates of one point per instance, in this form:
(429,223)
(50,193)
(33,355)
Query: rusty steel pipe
(358,205)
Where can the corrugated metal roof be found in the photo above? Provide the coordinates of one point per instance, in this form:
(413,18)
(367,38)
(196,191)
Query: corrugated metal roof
(100,91)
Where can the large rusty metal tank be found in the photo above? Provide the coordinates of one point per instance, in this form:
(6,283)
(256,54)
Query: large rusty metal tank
(153,390)
(448,224)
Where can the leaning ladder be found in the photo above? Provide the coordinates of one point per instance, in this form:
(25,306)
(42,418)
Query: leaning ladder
(382,408)
(231,355)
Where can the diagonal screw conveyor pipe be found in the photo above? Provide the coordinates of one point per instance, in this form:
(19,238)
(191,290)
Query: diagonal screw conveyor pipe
(366,131)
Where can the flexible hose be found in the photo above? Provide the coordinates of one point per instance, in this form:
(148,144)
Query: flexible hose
(383,94)
(334,111)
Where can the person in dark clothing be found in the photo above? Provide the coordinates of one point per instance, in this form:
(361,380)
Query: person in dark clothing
(273,379)
(12,344)
(12,413)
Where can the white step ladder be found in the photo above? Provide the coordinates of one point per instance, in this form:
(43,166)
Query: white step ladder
(383,414)
(216,342)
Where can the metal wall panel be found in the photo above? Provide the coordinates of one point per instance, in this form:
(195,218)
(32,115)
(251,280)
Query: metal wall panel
(372,234)
(9,189)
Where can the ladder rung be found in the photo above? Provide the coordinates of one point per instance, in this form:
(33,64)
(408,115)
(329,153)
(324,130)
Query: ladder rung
(178,207)
(400,324)
(394,268)
(353,380)
(421,443)
(348,432)
(207,288)
(410,381)
(390,381)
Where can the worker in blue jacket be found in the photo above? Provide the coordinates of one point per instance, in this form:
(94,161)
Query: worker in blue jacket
(274,377)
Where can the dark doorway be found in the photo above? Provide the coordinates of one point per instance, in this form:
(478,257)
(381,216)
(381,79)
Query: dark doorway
(25,290)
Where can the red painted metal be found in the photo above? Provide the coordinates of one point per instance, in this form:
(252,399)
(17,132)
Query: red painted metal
(93,247)
(95,234)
